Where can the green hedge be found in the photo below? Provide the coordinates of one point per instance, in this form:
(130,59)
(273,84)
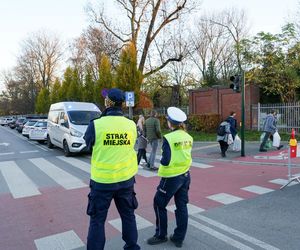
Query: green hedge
(203,123)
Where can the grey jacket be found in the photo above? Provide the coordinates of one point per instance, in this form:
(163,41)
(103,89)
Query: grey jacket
(227,129)
(142,142)
(270,124)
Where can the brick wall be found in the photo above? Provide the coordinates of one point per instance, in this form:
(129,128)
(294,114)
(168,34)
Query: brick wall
(222,100)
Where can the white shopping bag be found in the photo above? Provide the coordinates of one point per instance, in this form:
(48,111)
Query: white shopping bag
(276,139)
(237,144)
(229,139)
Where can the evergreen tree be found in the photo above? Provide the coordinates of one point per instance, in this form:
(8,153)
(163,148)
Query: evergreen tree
(43,101)
(89,86)
(74,92)
(55,91)
(105,80)
(128,77)
(68,75)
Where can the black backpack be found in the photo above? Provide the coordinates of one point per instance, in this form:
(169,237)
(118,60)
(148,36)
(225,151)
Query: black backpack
(221,131)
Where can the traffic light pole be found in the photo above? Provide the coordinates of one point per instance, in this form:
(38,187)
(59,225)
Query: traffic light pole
(243,115)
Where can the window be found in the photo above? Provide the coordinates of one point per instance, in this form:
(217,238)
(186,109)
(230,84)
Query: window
(82,117)
(53,116)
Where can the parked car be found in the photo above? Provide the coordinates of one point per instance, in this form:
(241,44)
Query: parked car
(67,123)
(20,123)
(12,123)
(38,132)
(27,127)
(4,121)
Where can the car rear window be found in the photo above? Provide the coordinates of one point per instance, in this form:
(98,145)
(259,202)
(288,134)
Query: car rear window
(41,124)
(30,123)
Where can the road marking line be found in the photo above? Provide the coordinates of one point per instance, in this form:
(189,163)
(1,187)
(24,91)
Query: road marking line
(146,173)
(192,209)
(257,189)
(219,235)
(62,241)
(282,182)
(201,165)
(204,147)
(60,176)
(224,198)
(19,184)
(8,153)
(82,165)
(235,232)
(141,223)
(29,151)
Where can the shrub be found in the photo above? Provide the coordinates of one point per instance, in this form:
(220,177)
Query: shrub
(204,123)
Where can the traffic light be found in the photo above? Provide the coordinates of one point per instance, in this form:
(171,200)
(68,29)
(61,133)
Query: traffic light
(236,83)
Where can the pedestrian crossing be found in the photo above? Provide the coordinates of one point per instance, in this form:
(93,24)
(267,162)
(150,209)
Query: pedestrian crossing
(60,171)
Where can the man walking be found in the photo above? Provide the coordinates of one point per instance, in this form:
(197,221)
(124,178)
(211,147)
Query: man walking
(269,129)
(153,134)
(113,166)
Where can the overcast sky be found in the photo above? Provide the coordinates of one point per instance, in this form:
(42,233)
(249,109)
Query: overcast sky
(19,18)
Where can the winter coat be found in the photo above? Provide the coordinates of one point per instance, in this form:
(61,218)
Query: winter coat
(227,130)
(233,125)
(152,129)
(270,124)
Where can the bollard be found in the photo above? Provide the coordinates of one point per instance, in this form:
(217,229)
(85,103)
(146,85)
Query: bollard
(293,145)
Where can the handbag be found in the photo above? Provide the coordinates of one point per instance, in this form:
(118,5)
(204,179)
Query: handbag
(237,144)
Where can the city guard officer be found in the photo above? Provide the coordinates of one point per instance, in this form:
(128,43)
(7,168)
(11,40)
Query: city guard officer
(113,167)
(174,170)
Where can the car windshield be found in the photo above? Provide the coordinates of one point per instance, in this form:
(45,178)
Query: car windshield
(82,117)
(30,123)
(41,124)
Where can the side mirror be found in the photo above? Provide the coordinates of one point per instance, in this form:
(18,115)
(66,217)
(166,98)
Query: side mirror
(61,121)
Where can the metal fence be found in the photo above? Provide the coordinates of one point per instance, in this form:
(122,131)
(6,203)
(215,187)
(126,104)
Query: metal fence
(288,116)
(163,110)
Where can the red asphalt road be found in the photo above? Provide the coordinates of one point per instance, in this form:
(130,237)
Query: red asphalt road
(58,210)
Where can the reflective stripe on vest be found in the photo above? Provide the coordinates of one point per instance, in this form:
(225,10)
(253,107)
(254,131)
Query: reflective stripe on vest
(113,157)
(181,159)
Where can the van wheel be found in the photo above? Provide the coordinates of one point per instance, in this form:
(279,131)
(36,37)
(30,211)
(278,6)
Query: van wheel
(66,149)
(49,143)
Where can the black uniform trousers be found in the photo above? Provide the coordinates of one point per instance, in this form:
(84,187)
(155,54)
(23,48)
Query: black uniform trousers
(98,205)
(178,187)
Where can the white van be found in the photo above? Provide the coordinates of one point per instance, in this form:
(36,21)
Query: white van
(67,123)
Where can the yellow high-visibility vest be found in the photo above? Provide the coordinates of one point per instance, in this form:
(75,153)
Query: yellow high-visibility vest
(114,158)
(181,154)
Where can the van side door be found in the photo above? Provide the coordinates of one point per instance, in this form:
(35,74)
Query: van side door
(63,127)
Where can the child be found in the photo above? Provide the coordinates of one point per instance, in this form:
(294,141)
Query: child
(142,145)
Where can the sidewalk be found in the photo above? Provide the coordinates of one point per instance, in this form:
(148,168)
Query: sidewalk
(210,151)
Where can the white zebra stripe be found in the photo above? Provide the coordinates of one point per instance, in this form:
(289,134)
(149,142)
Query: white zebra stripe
(60,176)
(19,184)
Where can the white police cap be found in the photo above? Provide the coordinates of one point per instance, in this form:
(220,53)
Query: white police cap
(176,115)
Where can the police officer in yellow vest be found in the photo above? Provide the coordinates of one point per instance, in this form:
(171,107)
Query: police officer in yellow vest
(113,167)
(174,170)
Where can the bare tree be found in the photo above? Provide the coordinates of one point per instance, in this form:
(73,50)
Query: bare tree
(40,56)
(147,20)
(88,49)
(235,23)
